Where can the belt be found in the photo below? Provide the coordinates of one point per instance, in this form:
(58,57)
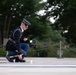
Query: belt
(11,40)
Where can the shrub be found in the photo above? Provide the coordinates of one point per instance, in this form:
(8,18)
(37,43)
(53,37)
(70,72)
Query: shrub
(2,52)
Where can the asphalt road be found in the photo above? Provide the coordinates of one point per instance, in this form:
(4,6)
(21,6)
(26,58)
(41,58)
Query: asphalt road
(39,66)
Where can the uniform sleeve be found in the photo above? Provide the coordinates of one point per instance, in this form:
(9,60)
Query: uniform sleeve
(16,36)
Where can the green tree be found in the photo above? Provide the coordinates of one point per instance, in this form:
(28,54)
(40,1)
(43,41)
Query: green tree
(64,12)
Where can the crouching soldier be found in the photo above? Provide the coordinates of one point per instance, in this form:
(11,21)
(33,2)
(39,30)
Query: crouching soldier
(17,50)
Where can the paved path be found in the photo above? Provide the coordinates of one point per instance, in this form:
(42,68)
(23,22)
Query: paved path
(39,66)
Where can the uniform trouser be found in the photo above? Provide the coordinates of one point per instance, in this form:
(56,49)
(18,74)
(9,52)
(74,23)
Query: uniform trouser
(23,47)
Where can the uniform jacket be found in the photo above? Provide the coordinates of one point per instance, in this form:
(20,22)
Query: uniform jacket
(14,40)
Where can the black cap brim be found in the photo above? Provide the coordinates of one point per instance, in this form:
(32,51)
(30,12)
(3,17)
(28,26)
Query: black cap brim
(26,22)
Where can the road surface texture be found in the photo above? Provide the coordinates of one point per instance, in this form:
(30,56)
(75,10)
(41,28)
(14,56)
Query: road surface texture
(39,66)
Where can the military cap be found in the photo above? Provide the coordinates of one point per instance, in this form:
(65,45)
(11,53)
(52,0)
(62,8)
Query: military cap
(26,22)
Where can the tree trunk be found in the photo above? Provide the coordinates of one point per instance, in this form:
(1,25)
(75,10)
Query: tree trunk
(3,30)
(8,26)
(0,39)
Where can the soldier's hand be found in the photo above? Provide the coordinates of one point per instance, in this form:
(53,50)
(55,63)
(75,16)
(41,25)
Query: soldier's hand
(25,39)
(20,56)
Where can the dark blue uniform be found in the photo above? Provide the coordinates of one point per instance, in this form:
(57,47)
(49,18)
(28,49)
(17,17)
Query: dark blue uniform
(15,46)
(14,40)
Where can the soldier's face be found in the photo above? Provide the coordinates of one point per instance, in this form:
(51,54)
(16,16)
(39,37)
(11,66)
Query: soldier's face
(24,26)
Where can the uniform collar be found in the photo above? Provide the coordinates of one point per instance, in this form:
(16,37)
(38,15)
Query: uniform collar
(21,29)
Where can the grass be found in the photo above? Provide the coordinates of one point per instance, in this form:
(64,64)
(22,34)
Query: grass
(2,52)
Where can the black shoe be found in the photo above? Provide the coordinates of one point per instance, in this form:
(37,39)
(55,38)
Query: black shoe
(18,60)
(9,59)
(22,60)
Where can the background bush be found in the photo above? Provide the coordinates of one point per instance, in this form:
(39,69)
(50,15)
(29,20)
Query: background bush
(2,52)
(49,51)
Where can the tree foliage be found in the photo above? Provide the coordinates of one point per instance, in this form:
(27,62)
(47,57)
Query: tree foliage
(64,12)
